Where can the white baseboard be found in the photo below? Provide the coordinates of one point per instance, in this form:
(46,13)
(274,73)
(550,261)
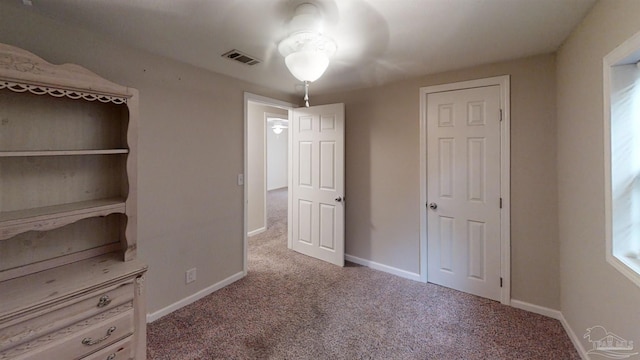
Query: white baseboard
(545,311)
(385,268)
(574,339)
(257,231)
(278,188)
(555,314)
(193,298)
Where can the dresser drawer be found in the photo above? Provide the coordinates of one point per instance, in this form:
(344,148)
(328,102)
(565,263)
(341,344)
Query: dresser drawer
(49,320)
(118,351)
(78,340)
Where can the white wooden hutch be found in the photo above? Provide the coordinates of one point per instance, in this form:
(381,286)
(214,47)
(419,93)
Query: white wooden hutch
(70,284)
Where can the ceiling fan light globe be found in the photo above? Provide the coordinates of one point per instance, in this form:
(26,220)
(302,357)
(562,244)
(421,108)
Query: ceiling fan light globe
(307,65)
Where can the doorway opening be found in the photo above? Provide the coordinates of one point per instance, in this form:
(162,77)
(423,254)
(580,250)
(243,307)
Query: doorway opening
(266,162)
(315,169)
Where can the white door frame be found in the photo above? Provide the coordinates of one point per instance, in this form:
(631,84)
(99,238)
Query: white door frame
(249,97)
(505,176)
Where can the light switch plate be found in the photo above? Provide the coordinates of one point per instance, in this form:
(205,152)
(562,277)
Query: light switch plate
(190,276)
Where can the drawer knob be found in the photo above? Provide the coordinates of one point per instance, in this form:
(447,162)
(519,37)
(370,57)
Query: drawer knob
(104,301)
(91,342)
(111,356)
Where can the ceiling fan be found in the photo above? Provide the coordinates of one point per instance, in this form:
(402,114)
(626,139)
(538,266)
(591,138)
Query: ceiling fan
(307,50)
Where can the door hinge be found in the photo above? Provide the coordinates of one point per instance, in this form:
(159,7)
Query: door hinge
(500,114)
(500,282)
(500,203)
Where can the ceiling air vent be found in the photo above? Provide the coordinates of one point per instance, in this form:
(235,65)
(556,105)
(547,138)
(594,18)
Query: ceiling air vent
(241,57)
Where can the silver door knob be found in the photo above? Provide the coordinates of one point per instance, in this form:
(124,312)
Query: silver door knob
(338,199)
(433,206)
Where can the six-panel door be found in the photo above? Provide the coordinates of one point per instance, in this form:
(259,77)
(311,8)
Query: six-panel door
(463,190)
(318,182)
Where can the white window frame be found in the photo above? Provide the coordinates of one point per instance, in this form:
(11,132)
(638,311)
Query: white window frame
(627,53)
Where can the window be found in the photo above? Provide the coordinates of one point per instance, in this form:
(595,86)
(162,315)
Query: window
(622,157)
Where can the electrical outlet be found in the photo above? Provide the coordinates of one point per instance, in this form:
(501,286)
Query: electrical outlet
(190,276)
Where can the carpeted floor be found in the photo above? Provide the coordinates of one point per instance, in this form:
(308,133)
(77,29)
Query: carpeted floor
(291,306)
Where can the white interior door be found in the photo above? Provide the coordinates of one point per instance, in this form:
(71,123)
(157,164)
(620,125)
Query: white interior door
(317,182)
(463,190)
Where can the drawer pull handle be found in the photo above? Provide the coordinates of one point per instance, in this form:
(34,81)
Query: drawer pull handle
(111,357)
(104,301)
(91,342)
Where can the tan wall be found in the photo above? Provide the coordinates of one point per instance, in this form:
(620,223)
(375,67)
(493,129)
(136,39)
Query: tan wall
(382,173)
(190,152)
(593,293)
(256,157)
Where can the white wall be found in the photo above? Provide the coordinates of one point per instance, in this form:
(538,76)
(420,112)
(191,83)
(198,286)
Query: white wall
(257,163)
(190,151)
(593,292)
(277,161)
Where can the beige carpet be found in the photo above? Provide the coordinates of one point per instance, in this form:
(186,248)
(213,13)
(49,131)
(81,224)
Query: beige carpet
(291,306)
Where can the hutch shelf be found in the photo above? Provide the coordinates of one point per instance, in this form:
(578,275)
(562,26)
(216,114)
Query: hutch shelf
(71,286)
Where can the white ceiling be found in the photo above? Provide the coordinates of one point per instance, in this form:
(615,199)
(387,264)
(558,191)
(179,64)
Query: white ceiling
(379,41)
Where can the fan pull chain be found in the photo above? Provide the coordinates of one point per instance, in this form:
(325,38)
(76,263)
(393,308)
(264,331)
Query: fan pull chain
(306,93)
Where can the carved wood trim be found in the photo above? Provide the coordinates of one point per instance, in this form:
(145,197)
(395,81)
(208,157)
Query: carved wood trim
(59,217)
(25,71)
(140,283)
(57,92)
